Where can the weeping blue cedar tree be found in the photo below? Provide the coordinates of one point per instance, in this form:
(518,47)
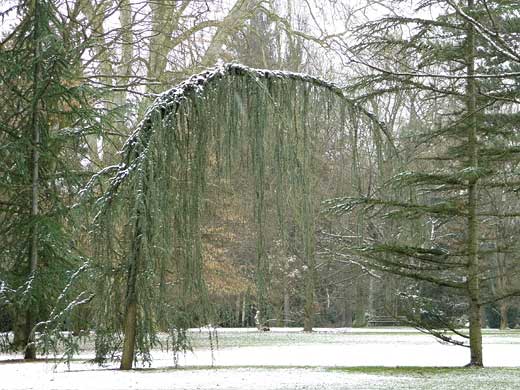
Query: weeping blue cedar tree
(148,225)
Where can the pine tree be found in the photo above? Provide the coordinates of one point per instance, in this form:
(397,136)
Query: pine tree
(442,210)
(46,114)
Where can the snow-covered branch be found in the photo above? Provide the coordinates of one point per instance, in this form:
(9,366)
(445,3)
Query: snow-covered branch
(490,36)
(168,102)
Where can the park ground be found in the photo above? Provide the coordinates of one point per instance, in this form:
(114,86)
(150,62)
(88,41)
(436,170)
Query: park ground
(373,358)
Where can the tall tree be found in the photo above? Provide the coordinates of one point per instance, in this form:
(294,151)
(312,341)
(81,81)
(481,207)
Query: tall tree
(46,115)
(441,60)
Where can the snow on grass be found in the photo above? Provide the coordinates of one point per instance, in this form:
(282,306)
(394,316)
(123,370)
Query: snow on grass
(350,347)
(291,359)
(85,376)
(230,379)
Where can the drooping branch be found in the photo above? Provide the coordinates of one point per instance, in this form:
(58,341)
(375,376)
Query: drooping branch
(266,121)
(168,102)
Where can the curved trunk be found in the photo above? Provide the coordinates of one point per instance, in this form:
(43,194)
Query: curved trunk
(127,358)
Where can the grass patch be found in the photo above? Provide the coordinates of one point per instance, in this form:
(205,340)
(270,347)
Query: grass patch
(424,371)
(228,368)
(227,339)
(258,339)
(439,378)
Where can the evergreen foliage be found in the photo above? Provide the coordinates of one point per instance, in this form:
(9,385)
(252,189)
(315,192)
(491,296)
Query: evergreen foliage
(267,121)
(46,113)
(461,60)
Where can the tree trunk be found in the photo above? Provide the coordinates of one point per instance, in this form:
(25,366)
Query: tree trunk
(371,296)
(20,340)
(130,322)
(308,232)
(308,309)
(95,15)
(241,11)
(347,314)
(475,331)
(238,308)
(360,306)
(504,323)
(262,262)
(286,307)
(130,332)
(310,273)
(30,349)
(244,311)
(483,317)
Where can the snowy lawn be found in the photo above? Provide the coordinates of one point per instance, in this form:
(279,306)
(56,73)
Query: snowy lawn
(291,359)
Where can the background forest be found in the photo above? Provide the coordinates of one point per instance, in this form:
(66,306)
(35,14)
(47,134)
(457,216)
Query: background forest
(388,193)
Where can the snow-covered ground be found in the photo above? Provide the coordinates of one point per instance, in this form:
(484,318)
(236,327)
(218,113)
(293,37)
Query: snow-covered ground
(290,359)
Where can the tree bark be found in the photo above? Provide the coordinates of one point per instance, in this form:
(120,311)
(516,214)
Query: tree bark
(262,261)
(504,321)
(483,317)
(347,314)
(19,340)
(238,308)
(244,311)
(127,358)
(130,321)
(308,309)
(241,11)
(30,350)
(308,228)
(360,308)
(371,296)
(96,14)
(286,307)
(473,288)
